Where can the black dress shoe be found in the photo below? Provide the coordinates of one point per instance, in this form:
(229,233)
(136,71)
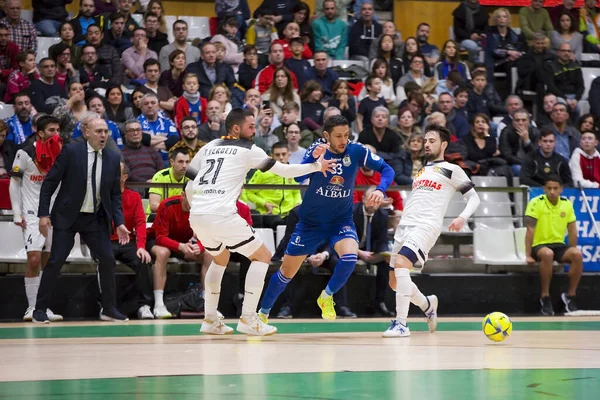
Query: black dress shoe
(345,312)
(40,317)
(112,315)
(381,309)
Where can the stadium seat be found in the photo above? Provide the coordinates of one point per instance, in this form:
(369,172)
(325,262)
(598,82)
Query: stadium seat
(280,234)
(27,15)
(12,248)
(169,20)
(198,27)
(79,252)
(520,243)
(584,107)
(491,181)
(589,74)
(44,44)
(590,57)
(346,63)
(266,235)
(495,247)
(490,214)
(517,30)
(139,18)
(6,111)
(455,207)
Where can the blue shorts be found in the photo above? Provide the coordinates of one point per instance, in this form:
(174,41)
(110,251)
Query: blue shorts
(307,238)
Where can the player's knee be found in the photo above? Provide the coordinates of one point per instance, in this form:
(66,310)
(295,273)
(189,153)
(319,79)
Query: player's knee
(34,259)
(545,255)
(262,255)
(162,253)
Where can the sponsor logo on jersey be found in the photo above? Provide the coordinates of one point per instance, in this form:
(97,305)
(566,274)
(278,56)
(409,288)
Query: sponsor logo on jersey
(296,241)
(420,173)
(36,178)
(375,157)
(346,161)
(16,167)
(337,180)
(427,184)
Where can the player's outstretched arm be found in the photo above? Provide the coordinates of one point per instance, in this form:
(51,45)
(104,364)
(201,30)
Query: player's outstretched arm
(472,203)
(294,170)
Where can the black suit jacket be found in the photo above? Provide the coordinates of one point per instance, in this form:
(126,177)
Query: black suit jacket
(224,75)
(70,171)
(379,223)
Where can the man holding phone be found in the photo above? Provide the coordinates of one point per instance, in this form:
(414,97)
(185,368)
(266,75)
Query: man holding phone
(214,128)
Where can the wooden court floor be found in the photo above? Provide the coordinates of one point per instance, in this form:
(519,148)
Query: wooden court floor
(545,358)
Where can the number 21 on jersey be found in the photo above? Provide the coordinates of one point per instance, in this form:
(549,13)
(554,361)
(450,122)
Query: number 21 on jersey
(211,166)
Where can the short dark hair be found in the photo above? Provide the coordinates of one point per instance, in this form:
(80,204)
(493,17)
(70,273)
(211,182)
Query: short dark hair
(149,62)
(188,118)
(139,29)
(4,26)
(46,120)
(444,133)
(86,45)
(249,48)
(22,56)
(445,94)
(150,14)
(459,90)
(333,121)
(546,132)
(423,24)
(179,21)
(179,150)
(477,74)
(22,93)
(279,145)
(275,44)
(553,178)
(96,25)
(299,39)
(115,16)
(237,116)
(264,10)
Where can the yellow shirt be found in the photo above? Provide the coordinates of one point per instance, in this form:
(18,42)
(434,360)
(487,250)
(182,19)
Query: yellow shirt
(166,176)
(552,220)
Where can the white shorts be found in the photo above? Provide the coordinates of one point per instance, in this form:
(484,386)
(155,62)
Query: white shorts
(217,233)
(34,240)
(419,239)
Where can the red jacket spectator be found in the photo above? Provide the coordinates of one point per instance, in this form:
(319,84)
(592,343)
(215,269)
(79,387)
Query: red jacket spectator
(183,109)
(17,82)
(585,168)
(264,78)
(135,218)
(373,180)
(8,60)
(306,53)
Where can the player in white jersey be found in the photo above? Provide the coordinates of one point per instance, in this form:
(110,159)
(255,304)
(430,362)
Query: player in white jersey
(421,224)
(220,169)
(28,173)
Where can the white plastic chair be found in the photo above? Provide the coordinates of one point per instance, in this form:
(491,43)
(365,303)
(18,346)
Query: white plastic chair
(12,248)
(455,207)
(589,74)
(494,215)
(280,233)
(6,111)
(346,63)
(266,235)
(590,57)
(519,234)
(491,181)
(44,44)
(27,15)
(79,252)
(198,27)
(169,21)
(495,247)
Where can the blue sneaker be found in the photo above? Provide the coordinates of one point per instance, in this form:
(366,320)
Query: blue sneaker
(396,329)
(40,317)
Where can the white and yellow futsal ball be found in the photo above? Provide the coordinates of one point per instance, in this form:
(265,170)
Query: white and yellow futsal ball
(497,326)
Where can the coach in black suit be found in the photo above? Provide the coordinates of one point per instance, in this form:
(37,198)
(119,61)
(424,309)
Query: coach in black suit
(88,202)
(210,72)
(371,227)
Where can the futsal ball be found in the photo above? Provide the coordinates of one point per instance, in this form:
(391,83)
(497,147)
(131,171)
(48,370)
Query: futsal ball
(497,326)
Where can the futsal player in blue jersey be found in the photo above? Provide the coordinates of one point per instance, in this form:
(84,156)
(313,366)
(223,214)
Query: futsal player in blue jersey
(326,213)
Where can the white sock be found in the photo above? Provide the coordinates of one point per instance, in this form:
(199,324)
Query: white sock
(158,298)
(255,281)
(31,289)
(418,298)
(212,289)
(404,289)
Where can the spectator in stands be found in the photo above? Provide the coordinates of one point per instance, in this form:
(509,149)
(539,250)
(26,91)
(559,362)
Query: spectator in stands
(517,140)
(274,201)
(116,110)
(143,161)
(172,78)
(46,92)
(8,150)
(371,224)
(296,64)
(331,33)
(179,159)
(105,7)
(539,164)
(483,97)
(239,9)
(264,137)
(234,47)
(222,95)
(21,78)
(249,68)
(190,103)
(8,55)
(312,108)
(20,32)
(341,9)
(116,36)
(322,74)
(301,17)
(107,55)
(531,63)
(566,137)
(180,32)
(264,79)
(589,25)
(585,162)
(134,58)
(564,77)
(388,29)
(547,218)
(567,32)
(134,254)
(366,176)
(343,100)
(83,19)
(470,26)
(124,8)
(156,39)
(283,11)
(93,75)
(369,103)
(161,128)
(503,47)
(461,99)
(450,84)
(363,33)
(534,19)
(481,146)
(292,30)
(386,50)
(455,122)
(292,136)
(70,114)
(568,6)
(210,72)
(214,127)
(189,137)
(262,32)
(380,70)
(65,70)
(588,123)
(281,91)
(19,125)
(414,74)
(155,7)
(449,61)
(172,236)
(430,51)
(416,103)
(545,117)
(512,104)
(48,15)
(67,35)
(252,102)
(415,150)
(291,115)
(136,101)
(95,105)
(411,49)
(166,99)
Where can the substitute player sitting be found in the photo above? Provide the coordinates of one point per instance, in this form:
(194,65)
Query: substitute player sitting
(326,214)
(220,169)
(29,170)
(421,224)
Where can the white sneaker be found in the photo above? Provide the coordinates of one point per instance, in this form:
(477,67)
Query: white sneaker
(29,314)
(215,328)
(254,326)
(431,313)
(396,329)
(144,312)
(53,317)
(219,315)
(161,312)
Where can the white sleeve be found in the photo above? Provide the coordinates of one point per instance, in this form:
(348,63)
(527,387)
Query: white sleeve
(294,170)
(472,203)
(194,167)
(14,190)
(461,181)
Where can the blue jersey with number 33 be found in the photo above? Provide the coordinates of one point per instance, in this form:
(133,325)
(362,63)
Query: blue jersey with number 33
(328,199)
